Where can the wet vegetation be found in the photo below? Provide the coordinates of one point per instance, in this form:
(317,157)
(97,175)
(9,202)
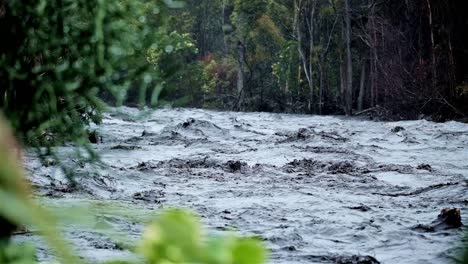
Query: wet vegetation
(94,155)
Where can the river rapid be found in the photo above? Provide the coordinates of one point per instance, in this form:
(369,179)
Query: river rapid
(316,189)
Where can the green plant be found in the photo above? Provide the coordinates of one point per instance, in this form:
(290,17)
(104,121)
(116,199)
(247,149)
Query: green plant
(18,209)
(176,236)
(16,254)
(168,56)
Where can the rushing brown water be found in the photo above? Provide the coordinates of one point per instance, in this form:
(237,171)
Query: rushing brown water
(316,189)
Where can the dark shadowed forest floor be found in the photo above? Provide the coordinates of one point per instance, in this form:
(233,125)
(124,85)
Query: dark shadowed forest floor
(316,189)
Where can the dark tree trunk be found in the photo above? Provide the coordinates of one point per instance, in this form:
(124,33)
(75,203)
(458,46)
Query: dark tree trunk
(240,75)
(362,88)
(349,63)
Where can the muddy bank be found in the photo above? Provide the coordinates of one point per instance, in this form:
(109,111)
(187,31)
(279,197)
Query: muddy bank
(316,189)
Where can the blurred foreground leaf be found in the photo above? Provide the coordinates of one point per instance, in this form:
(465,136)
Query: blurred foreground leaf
(17,207)
(176,236)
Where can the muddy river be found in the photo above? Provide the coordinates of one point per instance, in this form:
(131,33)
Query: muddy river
(315,189)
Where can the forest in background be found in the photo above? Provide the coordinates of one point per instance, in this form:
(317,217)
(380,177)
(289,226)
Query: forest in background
(395,59)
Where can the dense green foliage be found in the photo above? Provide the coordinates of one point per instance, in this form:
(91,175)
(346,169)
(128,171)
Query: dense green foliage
(18,209)
(64,59)
(167,56)
(16,254)
(63,56)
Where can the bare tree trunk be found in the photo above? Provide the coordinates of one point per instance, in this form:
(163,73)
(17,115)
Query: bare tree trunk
(342,83)
(306,51)
(299,70)
(294,25)
(302,53)
(372,82)
(287,94)
(349,63)
(322,83)
(452,74)
(362,87)
(322,65)
(203,42)
(311,52)
(225,45)
(240,75)
(434,69)
(373,56)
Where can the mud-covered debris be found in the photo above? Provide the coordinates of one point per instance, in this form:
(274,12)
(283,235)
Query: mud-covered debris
(449,218)
(357,259)
(308,133)
(303,164)
(280,134)
(235,166)
(147,134)
(125,147)
(333,136)
(242,128)
(49,162)
(188,164)
(332,167)
(79,163)
(144,166)
(362,208)
(160,184)
(187,123)
(410,140)
(102,182)
(176,163)
(228,218)
(299,165)
(134,139)
(53,194)
(198,124)
(63,187)
(320,149)
(398,129)
(420,190)
(286,239)
(94,137)
(423,166)
(303,133)
(193,129)
(342,167)
(403,169)
(98,244)
(290,248)
(175,135)
(152,196)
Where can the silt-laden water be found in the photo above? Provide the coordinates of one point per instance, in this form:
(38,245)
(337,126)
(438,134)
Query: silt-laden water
(316,189)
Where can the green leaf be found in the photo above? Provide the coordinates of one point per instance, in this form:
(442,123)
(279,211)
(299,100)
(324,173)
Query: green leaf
(249,251)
